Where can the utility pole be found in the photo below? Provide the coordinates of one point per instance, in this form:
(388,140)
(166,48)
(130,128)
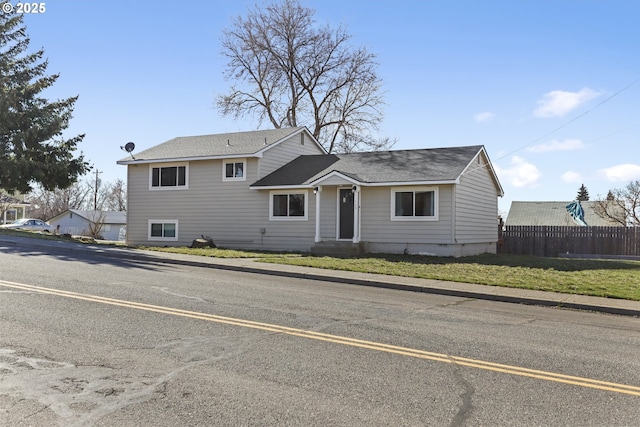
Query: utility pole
(95,193)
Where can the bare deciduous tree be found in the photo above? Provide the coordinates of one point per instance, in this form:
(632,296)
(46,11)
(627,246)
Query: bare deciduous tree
(96,223)
(291,72)
(115,197)
(48,204)
(621,205)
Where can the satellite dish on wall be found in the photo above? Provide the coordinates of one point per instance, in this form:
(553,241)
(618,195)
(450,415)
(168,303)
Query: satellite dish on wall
(129,147)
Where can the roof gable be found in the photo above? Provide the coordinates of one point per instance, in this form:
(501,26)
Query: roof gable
(224,145)
(434,165)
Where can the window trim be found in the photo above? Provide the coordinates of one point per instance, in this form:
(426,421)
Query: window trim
(436,203)
(226,178)
(163,222)
(153,166)
(273,217)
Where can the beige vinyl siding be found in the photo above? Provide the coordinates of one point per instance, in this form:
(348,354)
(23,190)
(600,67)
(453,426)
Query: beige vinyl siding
(476,205)
(229,212)
(293,234)
(376,224)
(328,213)
(286,151)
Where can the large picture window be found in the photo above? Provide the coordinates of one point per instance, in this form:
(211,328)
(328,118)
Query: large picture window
(168,177)
(234,170)
(414,204)
(163,230)
(288,205)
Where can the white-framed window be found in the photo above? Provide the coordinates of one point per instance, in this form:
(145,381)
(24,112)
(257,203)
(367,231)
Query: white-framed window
(163,229)
(414,204)
(169,176)
(234,170)
(288,205)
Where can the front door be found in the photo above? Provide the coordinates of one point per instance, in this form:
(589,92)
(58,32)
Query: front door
(345,205)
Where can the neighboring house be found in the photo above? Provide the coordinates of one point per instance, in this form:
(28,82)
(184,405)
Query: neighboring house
(279,190)
(79,222)
(12,209)
(553,213)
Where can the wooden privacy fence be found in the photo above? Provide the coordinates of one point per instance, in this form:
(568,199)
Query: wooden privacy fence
(554,240)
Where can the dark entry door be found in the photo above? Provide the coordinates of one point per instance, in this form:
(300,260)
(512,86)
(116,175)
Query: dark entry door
(346,214)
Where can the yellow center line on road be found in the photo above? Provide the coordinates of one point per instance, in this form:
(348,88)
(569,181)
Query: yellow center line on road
(337,339)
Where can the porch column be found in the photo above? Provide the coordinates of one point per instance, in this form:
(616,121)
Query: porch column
(317,192)
(356,213)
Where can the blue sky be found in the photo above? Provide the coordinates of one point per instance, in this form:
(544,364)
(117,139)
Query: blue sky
(550,88)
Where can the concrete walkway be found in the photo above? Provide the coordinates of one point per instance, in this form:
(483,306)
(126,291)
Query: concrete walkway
(464,290)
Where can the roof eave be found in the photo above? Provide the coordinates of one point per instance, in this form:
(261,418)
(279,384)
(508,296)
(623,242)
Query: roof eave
(318,181)
(492,171)
(297,132)
(279,187)
(189,159)
(406,183)
(364,184)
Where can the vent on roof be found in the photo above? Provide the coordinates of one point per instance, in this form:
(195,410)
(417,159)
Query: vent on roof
(265,140)
(228,143)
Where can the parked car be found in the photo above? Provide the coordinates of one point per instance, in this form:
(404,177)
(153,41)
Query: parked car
(29,224)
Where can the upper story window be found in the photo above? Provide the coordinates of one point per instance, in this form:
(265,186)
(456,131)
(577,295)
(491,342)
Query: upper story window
(168,177)
(234,170)
(414,204)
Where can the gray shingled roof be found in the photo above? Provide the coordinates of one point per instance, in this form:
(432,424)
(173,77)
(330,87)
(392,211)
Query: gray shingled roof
(552,213)
(425,165)
(218,145)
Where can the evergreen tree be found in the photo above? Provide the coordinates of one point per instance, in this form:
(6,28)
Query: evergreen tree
(32,147)
(583,194)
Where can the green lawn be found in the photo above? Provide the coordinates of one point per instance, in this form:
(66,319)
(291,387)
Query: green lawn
(606,278)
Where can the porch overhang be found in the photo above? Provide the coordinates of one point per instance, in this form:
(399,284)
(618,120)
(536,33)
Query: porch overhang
(347,180)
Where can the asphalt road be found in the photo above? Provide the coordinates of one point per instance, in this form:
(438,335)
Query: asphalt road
(91,340)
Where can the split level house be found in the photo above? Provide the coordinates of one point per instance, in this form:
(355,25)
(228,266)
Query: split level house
(280,190)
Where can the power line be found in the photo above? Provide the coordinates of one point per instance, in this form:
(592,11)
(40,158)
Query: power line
(572,120)
(563,125)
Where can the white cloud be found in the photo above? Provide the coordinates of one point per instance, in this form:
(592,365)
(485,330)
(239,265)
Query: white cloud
(484,117)
(555,145)
(571,177)
(621,173)
(557,103)
(520,173)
